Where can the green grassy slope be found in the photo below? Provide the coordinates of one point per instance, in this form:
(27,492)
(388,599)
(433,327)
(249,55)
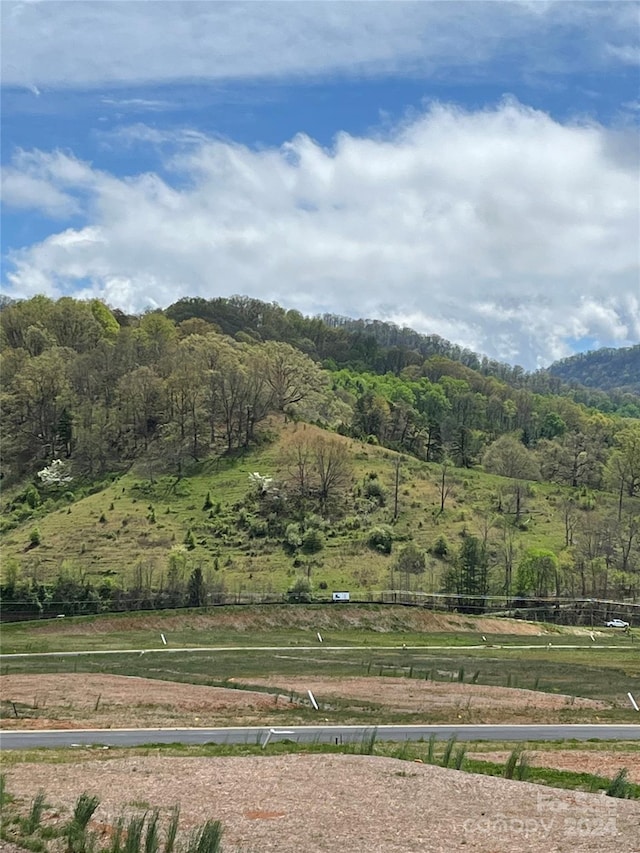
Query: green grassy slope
(133,524)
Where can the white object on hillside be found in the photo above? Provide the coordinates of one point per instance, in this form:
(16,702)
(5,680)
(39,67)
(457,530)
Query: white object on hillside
(262,484)
(313,700)
(163,638)
(56,473)
(319,636)
(633,702)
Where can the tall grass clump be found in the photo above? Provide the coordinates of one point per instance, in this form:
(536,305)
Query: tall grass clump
(206,839)
(76,830)
(448,750)
(619,786)
(4,796)
(431,746)
(133,839)
(152,836)
(368,742)
(116,838)
(32,822)
(172,830)
(511,764)
(458,758)
(523,768)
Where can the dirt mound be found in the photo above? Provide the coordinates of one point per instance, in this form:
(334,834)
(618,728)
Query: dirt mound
(379,618)
(357,803)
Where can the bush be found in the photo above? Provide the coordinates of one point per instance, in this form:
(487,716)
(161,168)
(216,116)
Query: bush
(381,539)
(300,591)
(440,547)
(32,497)
(620,787)
(34,537)
(374,490)
(292,537)
(312,542)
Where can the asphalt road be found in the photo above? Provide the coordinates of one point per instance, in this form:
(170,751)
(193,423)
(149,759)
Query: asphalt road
(311,734)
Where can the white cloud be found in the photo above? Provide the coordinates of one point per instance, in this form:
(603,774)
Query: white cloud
(101,43)
(22,191)
(502,229)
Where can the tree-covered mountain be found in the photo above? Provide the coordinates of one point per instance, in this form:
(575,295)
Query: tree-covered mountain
(607,369)
(101,388)
(367,436)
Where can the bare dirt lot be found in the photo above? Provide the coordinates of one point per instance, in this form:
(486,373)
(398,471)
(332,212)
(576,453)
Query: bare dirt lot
(75,700)
(307,802)
(403,694)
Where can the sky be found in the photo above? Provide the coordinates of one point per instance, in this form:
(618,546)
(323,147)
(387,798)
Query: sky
(467,169)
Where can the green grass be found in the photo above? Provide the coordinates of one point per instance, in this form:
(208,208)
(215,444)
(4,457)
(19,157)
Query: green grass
(104,535)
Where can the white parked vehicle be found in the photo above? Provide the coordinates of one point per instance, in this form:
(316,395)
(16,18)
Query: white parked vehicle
(617,623)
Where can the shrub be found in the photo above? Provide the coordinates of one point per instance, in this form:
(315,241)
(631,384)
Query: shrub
(380,539)
(374,490)
(292,536)
(32,497)
(34,537)
(300,591)
(619,786)
(440,547)
(312,542)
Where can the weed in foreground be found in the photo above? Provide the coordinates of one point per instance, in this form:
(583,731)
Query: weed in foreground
(152,836)
(32,822)
(368,742)
(458,758)
(619,786)
(172,830)
(431,749)
(448,750)
(207,839)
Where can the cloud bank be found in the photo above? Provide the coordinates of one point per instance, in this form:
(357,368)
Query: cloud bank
(63,43)
(500,229)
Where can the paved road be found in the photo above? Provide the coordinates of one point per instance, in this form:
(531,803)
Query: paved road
(312,734)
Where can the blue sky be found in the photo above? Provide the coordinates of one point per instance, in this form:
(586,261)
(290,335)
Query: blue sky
(468,169)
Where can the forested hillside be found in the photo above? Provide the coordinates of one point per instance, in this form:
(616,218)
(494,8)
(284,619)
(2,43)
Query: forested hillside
(606,369)
(474,470)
